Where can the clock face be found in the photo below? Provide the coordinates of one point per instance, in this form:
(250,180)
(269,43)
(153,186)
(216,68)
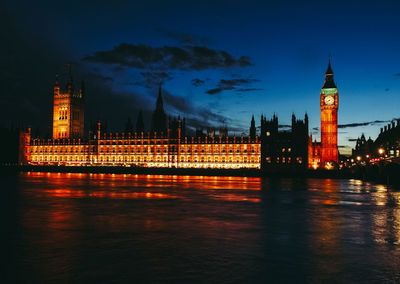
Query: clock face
(329,100)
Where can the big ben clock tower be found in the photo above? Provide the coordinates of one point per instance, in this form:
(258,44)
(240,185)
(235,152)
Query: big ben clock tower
(329,101)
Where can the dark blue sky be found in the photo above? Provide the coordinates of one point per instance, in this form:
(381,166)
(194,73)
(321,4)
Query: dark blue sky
(219,61)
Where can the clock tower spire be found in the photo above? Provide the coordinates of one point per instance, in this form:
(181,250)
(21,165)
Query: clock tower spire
(329,102)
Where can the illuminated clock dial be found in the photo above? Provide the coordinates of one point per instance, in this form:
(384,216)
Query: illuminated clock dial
(329,100)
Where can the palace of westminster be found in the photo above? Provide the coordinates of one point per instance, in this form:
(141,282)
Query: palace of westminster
(167,145)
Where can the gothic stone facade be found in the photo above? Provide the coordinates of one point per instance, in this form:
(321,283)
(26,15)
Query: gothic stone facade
(171,148)
(145,151)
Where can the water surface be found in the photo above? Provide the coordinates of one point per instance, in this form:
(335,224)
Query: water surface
(100,228)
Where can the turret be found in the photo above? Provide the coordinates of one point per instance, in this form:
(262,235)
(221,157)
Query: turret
(293,120)
(70,83)
(83,89)
(56,86)
(183,128)
(306,120)
(98,129)
(252,128)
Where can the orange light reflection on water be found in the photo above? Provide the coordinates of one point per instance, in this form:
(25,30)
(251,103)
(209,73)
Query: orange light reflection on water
(106,194)
(123,186)
(233,197)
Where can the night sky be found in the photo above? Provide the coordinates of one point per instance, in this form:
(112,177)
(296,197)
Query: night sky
(219,61)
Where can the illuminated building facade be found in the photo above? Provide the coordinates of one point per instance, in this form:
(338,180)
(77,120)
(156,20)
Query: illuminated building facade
(166,146)
(113,149)
(326,153)
(68,111)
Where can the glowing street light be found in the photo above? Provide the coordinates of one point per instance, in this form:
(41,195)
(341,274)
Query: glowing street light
(381,151)
(329,166)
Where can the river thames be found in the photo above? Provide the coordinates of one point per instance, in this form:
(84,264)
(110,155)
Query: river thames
(79,228)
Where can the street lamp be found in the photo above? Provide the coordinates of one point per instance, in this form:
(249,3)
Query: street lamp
(381,151)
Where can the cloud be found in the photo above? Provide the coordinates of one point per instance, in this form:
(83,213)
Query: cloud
(167,57)
(352,139)
(357,124)
(152,78)
(249,90)
(230,84)
(196,117)
(217,90)
(98,76)
(184,38)
(197,82)
(284,126)
(236,82)
(105,103)
(397,74)
(118,69)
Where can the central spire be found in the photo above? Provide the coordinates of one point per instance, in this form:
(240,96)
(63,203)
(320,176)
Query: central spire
(159,121)
(159,104)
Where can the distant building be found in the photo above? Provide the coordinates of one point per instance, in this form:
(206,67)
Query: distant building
(363,146)
(284,148)
(386,145)
(10,141)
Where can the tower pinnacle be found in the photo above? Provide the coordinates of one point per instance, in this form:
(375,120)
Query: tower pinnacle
(329,82)
(329,69)
(159,121)
(70,84)
(252,128)
(159,103)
